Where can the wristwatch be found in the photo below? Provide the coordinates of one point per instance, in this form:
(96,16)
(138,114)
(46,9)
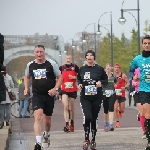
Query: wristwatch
(56,89)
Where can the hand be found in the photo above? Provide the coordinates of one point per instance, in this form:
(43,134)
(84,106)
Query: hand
(52,92)
(123,88)
(80,86)
(26,93)
(71,77)
(136,78)
(115,85)
(98,84)
(135,83)
(59,100)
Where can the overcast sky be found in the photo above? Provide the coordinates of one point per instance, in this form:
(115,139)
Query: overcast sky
(67,17)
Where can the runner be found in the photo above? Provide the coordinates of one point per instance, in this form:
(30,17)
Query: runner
(109,99)
(138,102)
(91,77)
(69,91)
(43,73)
(143,63)
(122,84)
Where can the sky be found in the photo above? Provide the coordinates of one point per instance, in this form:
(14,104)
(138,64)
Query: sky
(68,17)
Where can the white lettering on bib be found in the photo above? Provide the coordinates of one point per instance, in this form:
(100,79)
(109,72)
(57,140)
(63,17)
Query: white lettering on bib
(90,90)
(109,93)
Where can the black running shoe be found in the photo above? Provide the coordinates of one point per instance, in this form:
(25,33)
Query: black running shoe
(93,145)
(7,123)
(111,128)
(147,147)
(138,116)
(66,129)
(1,124)
(38,146)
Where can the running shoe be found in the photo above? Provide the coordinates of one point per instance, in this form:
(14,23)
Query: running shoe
(86,144)
(117,124)
(38,146)
(67,129)
(144,136)
(93,145)
(106,128)
(138,116)
(1,124)
(46,140)
(111,128)
(147,147)
(71,128)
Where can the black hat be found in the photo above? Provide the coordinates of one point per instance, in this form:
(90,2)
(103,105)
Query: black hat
(90,51)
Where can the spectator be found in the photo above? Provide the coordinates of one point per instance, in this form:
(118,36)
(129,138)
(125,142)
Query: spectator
(24,100)
(7,103)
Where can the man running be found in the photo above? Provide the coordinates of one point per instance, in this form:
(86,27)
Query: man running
(69,91)
(143,63)
(122,84)
(43,73)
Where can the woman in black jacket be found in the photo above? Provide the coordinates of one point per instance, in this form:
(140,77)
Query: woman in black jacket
(91,77)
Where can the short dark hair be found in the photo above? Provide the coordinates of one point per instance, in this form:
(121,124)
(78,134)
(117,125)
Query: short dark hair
(40,46)
(146,37)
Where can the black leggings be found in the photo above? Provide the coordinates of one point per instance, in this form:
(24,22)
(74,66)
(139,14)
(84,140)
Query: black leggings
(90,107)
(108,103)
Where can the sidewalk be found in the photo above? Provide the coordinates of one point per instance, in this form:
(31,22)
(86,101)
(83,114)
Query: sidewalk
(4,136)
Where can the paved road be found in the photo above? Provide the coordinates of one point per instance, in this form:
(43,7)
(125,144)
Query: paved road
(128,137)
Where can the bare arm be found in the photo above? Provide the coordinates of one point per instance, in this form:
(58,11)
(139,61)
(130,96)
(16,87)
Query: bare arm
(59,81)
(52,92)
(127,83)
(26,85)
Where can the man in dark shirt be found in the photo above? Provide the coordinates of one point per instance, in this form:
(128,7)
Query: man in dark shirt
(43,73)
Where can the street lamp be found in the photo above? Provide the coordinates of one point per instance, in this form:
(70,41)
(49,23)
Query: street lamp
(122,20)
(84,40)
(111,35)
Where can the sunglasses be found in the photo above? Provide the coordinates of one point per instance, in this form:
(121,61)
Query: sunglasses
(40,46)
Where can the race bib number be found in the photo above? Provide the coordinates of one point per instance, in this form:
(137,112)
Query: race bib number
(90,90)
(147,77)
(39,73)
(68,85)
(118,92)
(108,93)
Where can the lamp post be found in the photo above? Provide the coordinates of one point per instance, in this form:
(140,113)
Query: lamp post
(99,32)
(111,35)
(122,20)
(83,35)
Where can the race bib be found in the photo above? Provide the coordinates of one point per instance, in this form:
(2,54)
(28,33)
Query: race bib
(147,77)
(39,73)
(90,90)
(68,85)
(118,92)
(108,93)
